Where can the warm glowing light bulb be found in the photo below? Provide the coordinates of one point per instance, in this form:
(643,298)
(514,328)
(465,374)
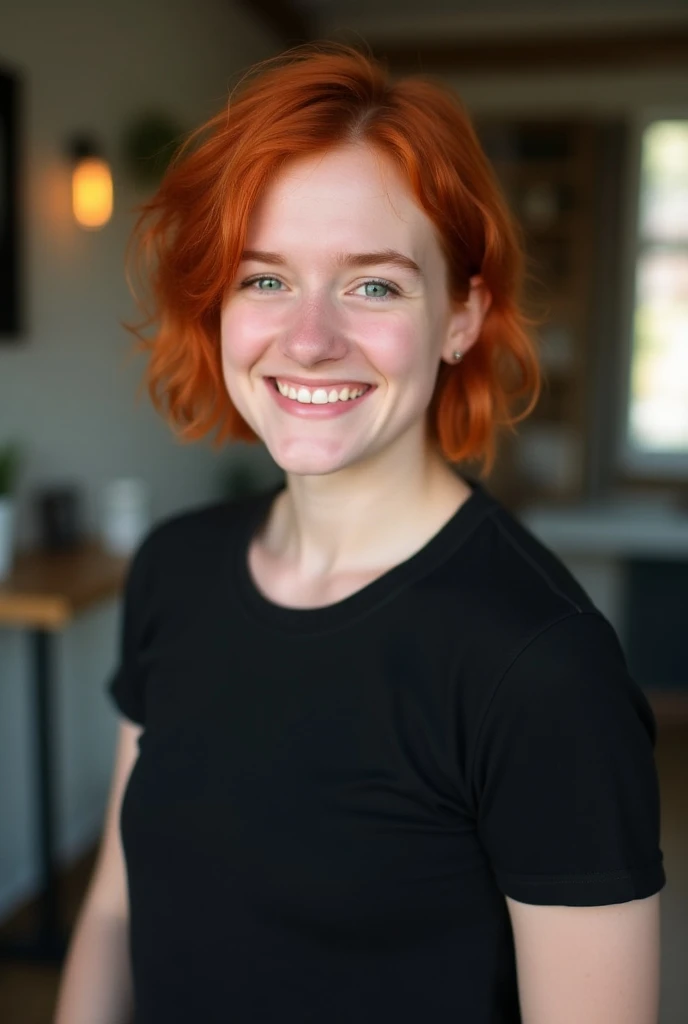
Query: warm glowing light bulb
(92,192)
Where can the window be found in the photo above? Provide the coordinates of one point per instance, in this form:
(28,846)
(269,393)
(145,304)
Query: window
(656,410)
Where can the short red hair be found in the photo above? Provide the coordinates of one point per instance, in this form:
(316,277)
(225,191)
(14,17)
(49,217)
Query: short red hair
(190,235)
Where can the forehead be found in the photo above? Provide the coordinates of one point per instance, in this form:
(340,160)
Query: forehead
(352,191)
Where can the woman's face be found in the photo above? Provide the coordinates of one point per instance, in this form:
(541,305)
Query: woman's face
(333,330)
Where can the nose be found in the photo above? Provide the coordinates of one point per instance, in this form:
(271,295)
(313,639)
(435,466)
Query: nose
(314,333)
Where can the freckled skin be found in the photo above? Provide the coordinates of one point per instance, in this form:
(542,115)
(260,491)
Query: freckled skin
(315,320)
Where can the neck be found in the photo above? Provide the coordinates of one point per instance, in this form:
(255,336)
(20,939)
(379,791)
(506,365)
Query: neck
(350,521)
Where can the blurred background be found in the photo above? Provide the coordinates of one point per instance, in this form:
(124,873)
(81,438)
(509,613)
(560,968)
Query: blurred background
(583,110)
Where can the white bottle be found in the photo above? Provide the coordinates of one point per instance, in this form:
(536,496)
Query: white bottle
(126,514)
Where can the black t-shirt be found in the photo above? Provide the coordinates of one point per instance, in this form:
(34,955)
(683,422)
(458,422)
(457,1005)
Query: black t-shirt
(330,804)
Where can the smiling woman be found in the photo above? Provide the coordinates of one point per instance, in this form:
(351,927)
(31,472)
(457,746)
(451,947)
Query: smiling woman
(299,107)
(381,758)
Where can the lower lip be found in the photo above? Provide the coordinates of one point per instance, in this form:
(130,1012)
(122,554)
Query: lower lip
(310,411)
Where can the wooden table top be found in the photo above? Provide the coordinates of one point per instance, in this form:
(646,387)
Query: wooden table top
(45,590)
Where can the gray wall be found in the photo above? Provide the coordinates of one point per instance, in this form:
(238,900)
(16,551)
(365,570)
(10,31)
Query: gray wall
(68,389)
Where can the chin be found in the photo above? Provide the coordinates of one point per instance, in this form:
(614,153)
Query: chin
(307,460)
(309,467)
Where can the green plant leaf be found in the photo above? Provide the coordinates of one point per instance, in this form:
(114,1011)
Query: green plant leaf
(10,461)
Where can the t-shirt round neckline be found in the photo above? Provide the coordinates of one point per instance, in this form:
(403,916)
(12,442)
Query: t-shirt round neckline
(372,595)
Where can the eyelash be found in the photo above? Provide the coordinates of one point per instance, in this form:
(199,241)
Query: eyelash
(369,298)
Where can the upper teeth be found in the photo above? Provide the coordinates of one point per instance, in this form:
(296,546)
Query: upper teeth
(318,396)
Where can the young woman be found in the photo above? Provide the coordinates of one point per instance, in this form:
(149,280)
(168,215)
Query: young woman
(382,756)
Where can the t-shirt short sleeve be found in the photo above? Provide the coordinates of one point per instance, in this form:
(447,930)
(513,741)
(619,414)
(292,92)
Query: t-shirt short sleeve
(564,774)
(127,684)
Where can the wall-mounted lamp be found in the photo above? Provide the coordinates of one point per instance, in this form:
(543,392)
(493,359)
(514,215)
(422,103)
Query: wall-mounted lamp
(91,184)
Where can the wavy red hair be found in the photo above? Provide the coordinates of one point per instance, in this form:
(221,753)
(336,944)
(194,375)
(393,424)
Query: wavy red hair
(189,236)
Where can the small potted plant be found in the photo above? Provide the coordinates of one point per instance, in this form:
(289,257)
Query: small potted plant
(9,471)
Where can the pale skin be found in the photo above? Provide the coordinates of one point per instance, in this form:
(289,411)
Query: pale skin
(365,490)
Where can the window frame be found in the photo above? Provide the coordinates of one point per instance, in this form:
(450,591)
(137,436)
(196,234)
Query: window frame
(631,462)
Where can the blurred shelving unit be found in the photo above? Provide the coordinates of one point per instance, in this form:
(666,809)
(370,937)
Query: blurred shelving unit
(548,171)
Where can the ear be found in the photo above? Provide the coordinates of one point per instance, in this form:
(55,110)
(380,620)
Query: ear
(466,320)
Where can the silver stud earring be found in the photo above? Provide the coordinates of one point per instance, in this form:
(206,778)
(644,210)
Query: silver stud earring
(457,356)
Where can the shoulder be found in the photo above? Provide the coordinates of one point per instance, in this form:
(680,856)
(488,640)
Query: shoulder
(556,629)
(192,543)
(530,569)
(506,588)
(201,526)
(566,664)
(523,632)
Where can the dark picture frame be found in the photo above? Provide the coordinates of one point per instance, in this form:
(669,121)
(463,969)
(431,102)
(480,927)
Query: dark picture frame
(10,311)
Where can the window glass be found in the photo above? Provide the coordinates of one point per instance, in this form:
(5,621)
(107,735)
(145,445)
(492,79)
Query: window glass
(658,407)
(664,188)
(659,383)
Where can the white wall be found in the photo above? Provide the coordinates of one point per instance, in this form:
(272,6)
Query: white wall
(67,390)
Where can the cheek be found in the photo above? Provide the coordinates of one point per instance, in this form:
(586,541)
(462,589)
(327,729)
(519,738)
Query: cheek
(242,338)
(397,348)
(240,349)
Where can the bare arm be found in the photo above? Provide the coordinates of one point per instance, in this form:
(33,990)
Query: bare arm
(594,964)
(96,982)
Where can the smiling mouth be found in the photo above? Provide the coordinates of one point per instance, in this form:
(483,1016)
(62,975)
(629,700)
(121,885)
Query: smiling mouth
(321,395)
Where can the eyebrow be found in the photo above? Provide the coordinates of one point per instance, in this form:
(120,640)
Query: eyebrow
(390,257)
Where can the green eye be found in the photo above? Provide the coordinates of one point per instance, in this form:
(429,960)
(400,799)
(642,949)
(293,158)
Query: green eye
(376,284)
(269,281)
(389,291)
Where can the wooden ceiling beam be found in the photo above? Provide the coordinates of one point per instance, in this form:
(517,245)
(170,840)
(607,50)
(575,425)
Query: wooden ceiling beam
(652,48)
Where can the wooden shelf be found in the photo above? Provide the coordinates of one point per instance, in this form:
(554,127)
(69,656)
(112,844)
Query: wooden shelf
(559,224)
